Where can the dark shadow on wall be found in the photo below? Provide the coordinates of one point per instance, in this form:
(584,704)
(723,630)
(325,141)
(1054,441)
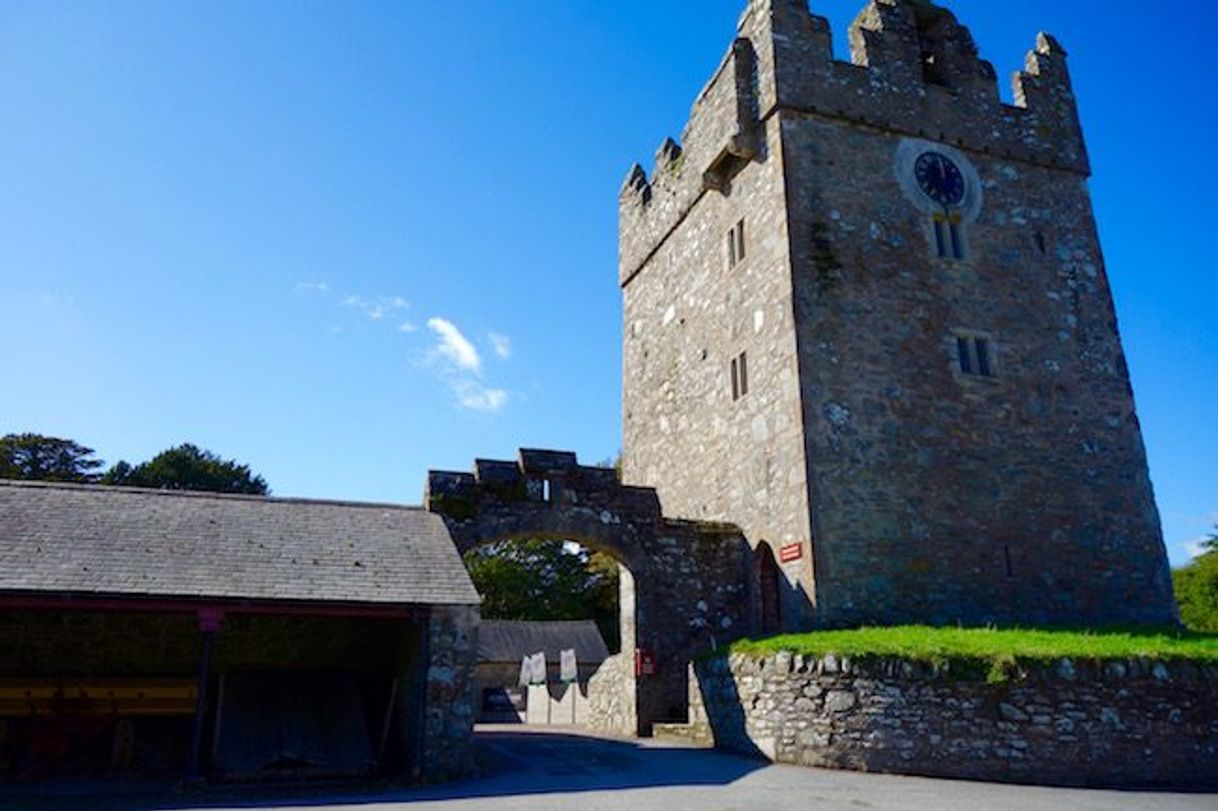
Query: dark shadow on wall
(777,606)
(510,763)
(724,710)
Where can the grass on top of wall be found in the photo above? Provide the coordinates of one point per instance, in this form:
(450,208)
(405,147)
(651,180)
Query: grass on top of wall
(998,647)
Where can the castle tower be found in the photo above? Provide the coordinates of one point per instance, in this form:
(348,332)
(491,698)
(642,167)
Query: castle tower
(866,318)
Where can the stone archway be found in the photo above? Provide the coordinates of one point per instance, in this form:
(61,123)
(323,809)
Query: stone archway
(608,699)
(689,580)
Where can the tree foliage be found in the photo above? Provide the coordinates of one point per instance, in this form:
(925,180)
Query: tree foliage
(547,580)
(1196,587)
(34,457)
(187,467)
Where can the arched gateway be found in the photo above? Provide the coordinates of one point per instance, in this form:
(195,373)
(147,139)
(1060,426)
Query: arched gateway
(689,584)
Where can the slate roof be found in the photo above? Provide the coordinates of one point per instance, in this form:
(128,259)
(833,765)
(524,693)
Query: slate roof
(512,640)
(92,540)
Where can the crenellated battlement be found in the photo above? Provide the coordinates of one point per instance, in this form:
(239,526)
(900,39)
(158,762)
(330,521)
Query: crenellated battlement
(914,70)
(540,477)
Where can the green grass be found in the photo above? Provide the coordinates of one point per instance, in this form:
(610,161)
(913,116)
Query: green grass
(997,650)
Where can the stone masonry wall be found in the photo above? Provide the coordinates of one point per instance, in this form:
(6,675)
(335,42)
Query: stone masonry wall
(942,497)
(612,699)
(450,707)
(1115,724)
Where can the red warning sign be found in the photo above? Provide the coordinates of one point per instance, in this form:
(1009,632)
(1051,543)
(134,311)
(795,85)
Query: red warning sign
(791,553)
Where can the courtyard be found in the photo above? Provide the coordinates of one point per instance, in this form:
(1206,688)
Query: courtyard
(548,770)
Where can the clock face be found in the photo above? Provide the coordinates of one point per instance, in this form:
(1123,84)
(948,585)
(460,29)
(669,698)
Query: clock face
(939,178)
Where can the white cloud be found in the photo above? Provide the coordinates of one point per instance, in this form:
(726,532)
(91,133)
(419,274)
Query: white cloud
(502,345)
(475,396)
(378,309)
(308,288)
(1193,548)
(462,367)
(454,346)
(406,326)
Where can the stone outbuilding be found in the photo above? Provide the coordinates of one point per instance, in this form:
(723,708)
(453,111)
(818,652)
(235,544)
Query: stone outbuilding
(503,644)
(229,637)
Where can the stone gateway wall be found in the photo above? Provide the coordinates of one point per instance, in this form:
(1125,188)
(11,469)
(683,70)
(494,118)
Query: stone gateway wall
(1112,724)
(612,699)
(685,584)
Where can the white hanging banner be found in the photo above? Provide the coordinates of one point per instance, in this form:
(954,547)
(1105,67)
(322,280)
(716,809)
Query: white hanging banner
(526,671)
(568,667)
(540,674)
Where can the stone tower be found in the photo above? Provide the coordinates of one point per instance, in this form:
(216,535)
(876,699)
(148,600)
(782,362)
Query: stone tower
(866,318)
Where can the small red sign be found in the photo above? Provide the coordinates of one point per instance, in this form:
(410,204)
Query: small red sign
(791,553)
(644,663)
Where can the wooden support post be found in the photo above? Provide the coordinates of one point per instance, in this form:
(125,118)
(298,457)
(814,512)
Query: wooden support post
(209,624)
(387,726)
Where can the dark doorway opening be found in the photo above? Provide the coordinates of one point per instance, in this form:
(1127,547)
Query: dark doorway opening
(769,578)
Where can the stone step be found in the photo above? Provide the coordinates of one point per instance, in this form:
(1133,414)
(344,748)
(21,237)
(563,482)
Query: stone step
(681,732)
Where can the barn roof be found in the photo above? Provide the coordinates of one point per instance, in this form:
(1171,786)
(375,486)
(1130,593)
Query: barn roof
(90,540)
(512,640)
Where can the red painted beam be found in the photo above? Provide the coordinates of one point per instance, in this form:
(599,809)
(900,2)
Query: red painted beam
(209,608)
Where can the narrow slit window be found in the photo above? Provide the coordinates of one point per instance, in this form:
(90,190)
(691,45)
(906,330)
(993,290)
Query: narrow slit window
(545,490)
(931,74)
(735,245)
(740,376)
(964,353)
(1040,241)
(975,355)
(949,236)
(1006,559)
(940,237)
(983,357)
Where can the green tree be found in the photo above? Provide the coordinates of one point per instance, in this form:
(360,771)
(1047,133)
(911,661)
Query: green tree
(615,463)
(547,580)
(34,457)
(1196,587)
(187,467)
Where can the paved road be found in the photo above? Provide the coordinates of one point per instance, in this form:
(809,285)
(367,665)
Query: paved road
(548,771)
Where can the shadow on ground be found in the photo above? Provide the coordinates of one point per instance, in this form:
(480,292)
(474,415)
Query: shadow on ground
(510,763)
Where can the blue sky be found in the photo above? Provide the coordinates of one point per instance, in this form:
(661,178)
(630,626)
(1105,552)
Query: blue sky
(348,242)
